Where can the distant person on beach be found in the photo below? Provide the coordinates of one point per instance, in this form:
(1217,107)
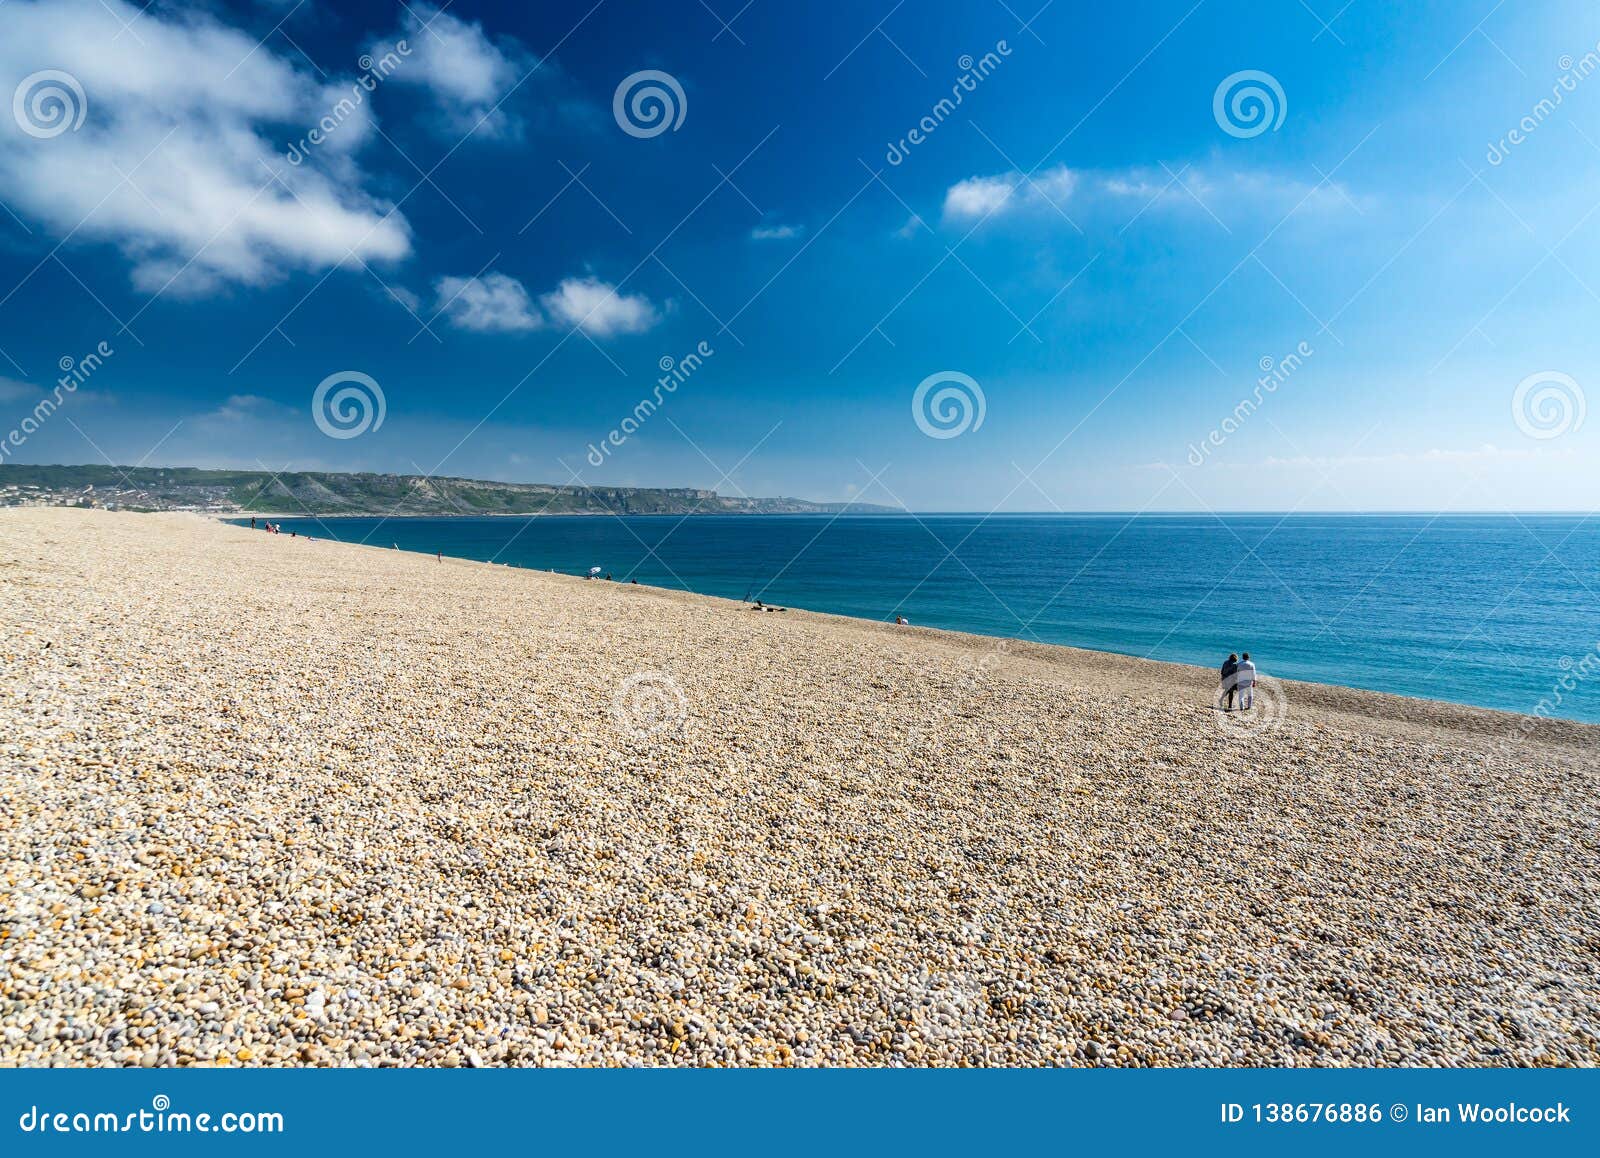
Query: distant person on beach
(1230,676)
(1247,683)
(902,621)
(439,555)
(252,522)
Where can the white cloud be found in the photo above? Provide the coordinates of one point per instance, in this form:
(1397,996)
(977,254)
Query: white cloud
(1054,185)
(399,293)
(777,232)
(982,198)
(174,158)
(1379,465)
(1201,188)
(596,308)
(914,225)
(979,197)
(1014,194)
(240,408)
(1486,453)
(492,304)
(11,390)
(467,73)
(496,303)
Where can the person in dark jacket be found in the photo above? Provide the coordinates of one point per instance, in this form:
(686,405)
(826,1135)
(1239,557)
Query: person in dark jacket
(1230,676)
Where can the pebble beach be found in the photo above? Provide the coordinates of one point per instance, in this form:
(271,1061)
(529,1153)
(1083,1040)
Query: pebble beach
(274,802)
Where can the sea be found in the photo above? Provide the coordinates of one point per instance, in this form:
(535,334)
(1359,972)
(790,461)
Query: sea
(1497,611)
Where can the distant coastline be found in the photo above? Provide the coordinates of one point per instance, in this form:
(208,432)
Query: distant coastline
(322,494)
(234,516)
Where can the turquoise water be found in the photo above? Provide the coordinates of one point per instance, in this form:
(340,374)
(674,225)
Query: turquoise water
(1486,610)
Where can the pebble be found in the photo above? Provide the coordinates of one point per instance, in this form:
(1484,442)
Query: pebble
(393,813)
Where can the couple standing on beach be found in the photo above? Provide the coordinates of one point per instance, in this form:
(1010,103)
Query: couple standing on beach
(1238,678)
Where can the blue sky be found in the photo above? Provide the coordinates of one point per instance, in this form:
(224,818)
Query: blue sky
(1106,254)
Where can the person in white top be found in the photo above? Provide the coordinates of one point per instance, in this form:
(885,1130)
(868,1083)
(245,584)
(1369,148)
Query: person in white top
(1246,682)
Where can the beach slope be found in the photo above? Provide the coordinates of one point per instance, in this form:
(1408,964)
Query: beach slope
(272,801)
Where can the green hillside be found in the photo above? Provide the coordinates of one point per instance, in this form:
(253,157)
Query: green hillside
(326,493)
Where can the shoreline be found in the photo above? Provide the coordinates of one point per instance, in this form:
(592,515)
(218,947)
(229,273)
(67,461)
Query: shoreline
(227,518)
(1577,516)
(1478,718)
(366,808)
